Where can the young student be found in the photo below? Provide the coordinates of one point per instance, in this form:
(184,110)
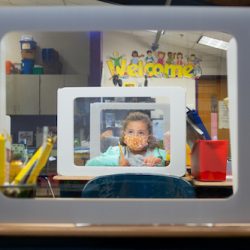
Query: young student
(138,147)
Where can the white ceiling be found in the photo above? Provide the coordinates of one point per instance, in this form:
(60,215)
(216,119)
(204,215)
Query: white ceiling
(181,39)
(187,40)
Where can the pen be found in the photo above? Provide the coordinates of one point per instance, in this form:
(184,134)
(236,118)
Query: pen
(41,162)
(121,152)
(20,178)
(2,159)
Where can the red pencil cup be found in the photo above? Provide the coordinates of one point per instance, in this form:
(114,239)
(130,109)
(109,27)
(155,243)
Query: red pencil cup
(209,160)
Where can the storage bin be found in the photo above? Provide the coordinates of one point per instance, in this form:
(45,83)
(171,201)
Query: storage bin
(38,70)
(27,66)
(49,56)
(209,160)
(8,67)
(27,44)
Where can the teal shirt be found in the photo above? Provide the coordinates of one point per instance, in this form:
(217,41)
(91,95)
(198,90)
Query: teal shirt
(112,155)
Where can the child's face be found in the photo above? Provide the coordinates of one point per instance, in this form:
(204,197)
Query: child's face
(161,55)
(116,54)
(136,135)
(134,54)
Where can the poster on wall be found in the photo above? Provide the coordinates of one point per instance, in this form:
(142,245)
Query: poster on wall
(154,64)
(129,61)
(223,115)
(25,137)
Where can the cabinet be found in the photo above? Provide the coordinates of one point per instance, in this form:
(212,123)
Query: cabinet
(48,93)
(22,93)
(49,85)
(36,94)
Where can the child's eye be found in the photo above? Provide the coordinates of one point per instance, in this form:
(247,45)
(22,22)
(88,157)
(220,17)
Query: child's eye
(141,133)
(130,132)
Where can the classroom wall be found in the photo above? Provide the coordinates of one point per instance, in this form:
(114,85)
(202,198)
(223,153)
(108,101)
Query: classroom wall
(125,43)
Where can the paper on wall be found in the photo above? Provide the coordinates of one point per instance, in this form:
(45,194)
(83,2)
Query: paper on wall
(223,115)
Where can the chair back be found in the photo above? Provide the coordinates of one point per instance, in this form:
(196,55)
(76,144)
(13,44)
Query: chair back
(138,185)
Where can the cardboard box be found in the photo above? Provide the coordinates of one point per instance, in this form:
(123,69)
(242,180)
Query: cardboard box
(209,160)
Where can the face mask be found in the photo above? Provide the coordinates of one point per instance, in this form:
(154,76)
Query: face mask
(136,143)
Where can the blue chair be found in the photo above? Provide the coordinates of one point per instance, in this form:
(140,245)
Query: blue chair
(138,185)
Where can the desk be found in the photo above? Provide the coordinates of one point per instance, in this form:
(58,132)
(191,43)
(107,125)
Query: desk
(226,183)
(67,229)
(124,237)
(216,189)
(87,178)
(71,186)
(72,178)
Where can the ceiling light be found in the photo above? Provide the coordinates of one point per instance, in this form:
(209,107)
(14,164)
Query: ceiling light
(215,43)
(155,31)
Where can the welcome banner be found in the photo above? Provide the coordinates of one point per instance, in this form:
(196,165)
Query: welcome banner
(125,67)
(154,65)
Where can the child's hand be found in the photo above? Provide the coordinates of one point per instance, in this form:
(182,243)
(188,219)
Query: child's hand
(123,161)
(107,133)
(151,161)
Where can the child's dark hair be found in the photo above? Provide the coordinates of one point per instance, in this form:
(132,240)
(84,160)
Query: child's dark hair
(135,53)
(139,116)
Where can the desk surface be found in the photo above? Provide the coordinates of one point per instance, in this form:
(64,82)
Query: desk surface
(189,230)
(87,178)
(72,178)
(227,183)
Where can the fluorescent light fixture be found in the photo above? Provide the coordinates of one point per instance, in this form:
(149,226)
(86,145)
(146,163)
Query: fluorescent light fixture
(212,42)
(155,31)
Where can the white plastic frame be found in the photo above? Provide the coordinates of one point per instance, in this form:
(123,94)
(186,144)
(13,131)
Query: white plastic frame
(65,125)
(234,21)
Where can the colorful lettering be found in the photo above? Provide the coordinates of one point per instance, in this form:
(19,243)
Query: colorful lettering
(151,70)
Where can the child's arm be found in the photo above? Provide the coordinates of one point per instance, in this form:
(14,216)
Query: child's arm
(108,158)
(163,155)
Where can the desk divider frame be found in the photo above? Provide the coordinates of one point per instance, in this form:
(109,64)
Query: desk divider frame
(234,21)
